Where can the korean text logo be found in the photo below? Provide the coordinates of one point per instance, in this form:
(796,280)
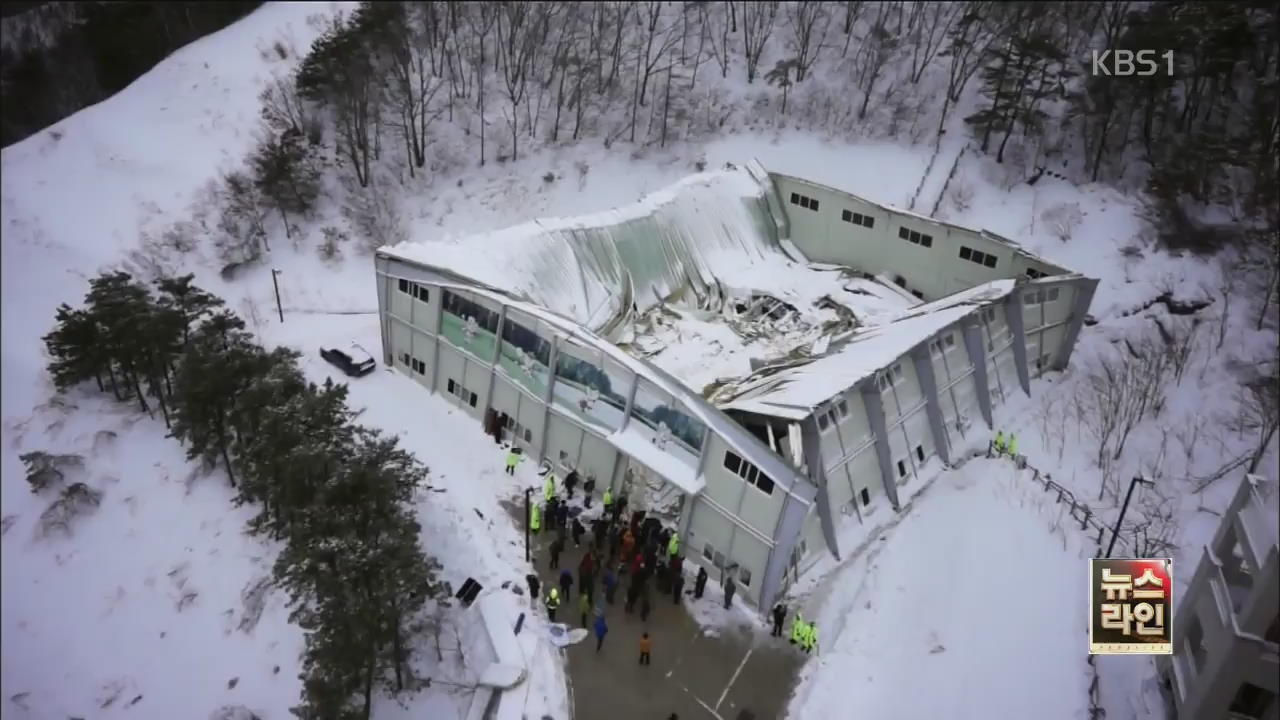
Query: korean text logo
(1130,606)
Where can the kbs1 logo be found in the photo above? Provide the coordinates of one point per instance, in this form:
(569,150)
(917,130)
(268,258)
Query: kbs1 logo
(1130,606)
(1125,63)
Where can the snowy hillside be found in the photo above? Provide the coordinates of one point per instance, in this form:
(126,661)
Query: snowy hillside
(149,606)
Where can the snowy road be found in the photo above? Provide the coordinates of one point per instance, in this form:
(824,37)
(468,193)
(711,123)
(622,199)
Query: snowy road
(971,599)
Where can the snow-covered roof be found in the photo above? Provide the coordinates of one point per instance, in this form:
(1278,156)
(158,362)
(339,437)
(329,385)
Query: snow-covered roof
(794,392)
(736,436)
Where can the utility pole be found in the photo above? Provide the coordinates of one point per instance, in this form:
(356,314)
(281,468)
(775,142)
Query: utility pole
(276,283)
(1115,532)
(527,515)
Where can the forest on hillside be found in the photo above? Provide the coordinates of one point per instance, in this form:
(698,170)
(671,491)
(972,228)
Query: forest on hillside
(398,93)
(59,57)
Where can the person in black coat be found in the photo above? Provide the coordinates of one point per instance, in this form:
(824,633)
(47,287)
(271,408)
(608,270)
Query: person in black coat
(588,488)
(570,482)
(677,587)
(779,616)
(700,583)
(599,529)
(578,532)
(562,516)
(534,586)
(730,587)
(557,547)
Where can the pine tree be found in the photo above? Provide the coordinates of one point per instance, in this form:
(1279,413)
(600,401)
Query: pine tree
(285,174)
(121,307)
(190,301)
(75,348)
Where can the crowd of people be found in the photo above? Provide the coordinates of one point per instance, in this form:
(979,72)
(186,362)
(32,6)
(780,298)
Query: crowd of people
(619,547)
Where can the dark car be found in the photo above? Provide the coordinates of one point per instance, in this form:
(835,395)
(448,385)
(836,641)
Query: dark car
(352,360)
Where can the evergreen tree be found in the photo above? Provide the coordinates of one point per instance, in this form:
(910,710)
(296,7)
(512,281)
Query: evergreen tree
(286,174)
(75,348)
(191,302)
(121,307)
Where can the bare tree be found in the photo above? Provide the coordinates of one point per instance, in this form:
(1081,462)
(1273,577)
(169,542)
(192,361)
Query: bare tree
(481,20)
(665,38)
(1122,390)
(414,84)
(877,47)
(929,24)
(1259,413)
(758,17)
(852,9)
(719,48)
(809,23)
(521,26)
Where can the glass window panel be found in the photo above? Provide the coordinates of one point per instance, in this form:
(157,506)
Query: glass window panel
(655,410)
(581,383)
(525,355)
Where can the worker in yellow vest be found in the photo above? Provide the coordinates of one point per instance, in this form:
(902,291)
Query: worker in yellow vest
(514,456)
(798,629)
(608,500)
(549,487)
(998,444)
(1013,445)
(553,603)
(811,637)
(673,545)
(535,518)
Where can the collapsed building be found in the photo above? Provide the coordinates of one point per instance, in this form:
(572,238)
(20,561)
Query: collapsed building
(755,358)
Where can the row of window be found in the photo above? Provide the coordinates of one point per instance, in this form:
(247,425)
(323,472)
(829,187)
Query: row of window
(891,377)
(865,221)
(413,362)
(977,256)
(526,434)
(745,470)
(717,558)
(804,201)
(902,464)
(1035,274)
(414,289)
(831,416)
(1039,297)
(942,344)
(916,238)
(457,390)
(458,306)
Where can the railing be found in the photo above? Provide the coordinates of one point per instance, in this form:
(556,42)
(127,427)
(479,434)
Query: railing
(1077,510)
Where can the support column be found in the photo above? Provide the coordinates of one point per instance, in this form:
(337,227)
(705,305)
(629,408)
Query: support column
(1084,289)
(929,387)
(978,356)
(875,418)
(1018,335)
(818,474)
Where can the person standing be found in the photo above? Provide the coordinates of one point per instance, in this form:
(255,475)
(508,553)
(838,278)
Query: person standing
(570,482)
(584,607)
(598,531)
(673,544)
(811,638)
(779,616)
(798,630)
(628,544)
(566,582)
(535,586)
(514,456)
(553,602)
(610,584)
(646,647)
(535,519)
(602,629)
(730,587)
(615,540)
(562,516)
(633,594)
(700,583)
(586,573)
(588,488)
(578,532)
(677,587)
(557,547)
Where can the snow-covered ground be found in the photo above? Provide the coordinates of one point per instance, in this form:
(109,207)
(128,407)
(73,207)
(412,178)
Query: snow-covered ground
(971,605)
(102,614)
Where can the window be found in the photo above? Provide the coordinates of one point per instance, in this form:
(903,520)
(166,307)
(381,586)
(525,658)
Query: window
(748,472)
(977,256)
(950,340)
(902,468)
(745,576)
(718,561)
(460,307)
(915,237)
(404,358)
(418,366)
(518,336)
(891,376)
(708,552)
(903,233)
(897,373)
(918,294)
(528,435)
(920,453)
(1053,294)
(935,348)
(421,292)
(989,314)
(857,218)
(866,497)
(564,457)
(804,201)
(842,407)
(413,289)
(404,285)
(1252,701)
(452,387)
(472,400)
(824,424)
(732,462)
(1034,274)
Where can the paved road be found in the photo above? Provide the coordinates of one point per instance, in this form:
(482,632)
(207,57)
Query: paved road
(738,673)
